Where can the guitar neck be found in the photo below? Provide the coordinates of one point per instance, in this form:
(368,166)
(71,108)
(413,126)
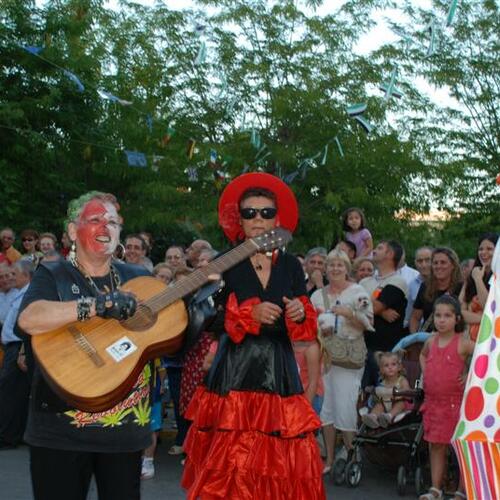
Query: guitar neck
(199,277)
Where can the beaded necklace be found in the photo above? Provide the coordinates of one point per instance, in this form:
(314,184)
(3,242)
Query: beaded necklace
(115,279)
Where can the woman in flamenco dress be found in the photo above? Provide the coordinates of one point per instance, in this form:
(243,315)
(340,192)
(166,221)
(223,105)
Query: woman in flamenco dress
(252,432)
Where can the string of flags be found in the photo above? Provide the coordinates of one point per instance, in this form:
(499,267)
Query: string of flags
(263,154)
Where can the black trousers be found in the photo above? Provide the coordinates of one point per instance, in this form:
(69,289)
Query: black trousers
(65,475)
(14,396)
(174,384)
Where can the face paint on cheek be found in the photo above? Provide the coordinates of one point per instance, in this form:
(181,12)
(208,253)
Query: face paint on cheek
(98,230)
(114,234)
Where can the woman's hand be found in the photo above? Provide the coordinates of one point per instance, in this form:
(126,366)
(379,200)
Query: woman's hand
(345,311)
(477,273)
(266,313)
(294,309)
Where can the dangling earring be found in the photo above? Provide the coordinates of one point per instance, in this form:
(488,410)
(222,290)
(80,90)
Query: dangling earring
(72,251)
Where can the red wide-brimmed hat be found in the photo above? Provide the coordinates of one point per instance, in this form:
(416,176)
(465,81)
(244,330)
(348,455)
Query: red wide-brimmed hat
(229,210)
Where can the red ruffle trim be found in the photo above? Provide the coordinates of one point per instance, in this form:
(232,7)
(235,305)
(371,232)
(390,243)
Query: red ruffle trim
(251,465)
(238,320)
(252,411)
(307,329)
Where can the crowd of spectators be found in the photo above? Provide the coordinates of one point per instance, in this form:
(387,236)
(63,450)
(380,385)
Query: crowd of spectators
(401,299)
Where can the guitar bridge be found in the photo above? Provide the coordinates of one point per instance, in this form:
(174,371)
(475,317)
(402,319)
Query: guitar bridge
(83,343)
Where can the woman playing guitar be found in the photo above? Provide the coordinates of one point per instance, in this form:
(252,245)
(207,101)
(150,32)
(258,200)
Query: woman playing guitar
(68,446)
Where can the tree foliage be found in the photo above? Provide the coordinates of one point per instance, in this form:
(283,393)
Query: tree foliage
(272,67)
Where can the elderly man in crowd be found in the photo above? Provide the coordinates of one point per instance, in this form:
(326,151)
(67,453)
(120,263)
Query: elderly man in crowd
(315,267)
(7,238)
(7,290)
(14,382)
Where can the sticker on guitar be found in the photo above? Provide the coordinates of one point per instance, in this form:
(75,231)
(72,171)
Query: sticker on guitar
(121,349)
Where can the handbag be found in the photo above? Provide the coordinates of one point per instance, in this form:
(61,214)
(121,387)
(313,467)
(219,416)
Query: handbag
(347,353)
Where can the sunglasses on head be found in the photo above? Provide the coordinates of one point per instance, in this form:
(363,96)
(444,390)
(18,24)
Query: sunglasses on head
(265,213)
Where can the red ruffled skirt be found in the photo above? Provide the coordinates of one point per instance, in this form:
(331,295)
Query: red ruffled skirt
(252,445)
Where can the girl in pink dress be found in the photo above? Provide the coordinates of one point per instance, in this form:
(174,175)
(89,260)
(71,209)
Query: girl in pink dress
(354,225)
(443,365)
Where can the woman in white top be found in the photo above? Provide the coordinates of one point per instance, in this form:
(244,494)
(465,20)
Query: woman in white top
(352,311)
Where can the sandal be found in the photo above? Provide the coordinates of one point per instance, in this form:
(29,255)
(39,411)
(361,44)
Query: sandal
(433,494)
(327,469)
(460,494)
(175,450)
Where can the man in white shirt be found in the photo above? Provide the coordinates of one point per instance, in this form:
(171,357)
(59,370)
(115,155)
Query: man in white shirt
(7,290)
(14,383)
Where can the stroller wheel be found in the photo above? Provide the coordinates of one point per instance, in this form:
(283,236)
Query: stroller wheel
(353,474)
(419,481)
(338,471)
(401,480)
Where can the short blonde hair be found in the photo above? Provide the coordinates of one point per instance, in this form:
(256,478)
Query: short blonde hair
(340,255)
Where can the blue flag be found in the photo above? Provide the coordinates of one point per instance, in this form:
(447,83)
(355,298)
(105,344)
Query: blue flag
(136,159)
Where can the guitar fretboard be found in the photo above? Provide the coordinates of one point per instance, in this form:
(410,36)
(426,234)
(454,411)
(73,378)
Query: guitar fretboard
(199,277)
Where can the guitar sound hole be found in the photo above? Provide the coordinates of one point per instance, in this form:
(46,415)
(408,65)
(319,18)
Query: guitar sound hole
(143,319)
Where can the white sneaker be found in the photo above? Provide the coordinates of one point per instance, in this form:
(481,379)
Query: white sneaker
(148,468)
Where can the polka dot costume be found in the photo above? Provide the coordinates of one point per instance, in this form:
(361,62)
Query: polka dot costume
(477,436)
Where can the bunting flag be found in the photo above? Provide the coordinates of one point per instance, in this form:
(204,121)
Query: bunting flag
(339,146)
(31,49)
(192,173)
(190,148)
(394,93)
(156,160)
(432,28)
(477,435)
(325,154)
(451,12)
(167,136)
(356,109)
(364,123)
(149,122)
(75,80)
(390,88)
(202,54)
(213,157)
(136,159)
(110,97)
(255,139)
(289,178)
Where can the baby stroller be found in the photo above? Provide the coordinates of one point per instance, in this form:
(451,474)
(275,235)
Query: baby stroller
(399,447)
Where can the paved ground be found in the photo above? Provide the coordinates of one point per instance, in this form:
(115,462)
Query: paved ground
(376,484)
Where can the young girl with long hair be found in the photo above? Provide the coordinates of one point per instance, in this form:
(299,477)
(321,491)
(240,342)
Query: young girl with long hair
(354,225)
(443,366)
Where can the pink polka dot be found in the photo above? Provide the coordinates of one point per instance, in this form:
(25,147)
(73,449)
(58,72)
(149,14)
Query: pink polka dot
(481,366)
(474,403)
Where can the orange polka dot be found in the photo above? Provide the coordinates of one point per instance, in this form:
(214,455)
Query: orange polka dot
(497,327)
(476,436)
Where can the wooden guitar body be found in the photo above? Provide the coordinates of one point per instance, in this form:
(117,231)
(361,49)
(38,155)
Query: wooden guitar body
(93,365)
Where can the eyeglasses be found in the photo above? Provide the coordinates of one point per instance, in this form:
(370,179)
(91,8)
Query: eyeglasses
(28,239)
(265,213)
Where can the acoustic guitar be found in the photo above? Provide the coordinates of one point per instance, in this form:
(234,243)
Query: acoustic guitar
(93,365)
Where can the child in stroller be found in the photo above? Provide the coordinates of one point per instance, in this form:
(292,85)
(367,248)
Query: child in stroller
(386,409)
(399,446)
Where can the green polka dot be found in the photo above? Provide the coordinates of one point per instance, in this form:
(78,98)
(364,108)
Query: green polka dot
(485,330)
(491,385)
(498,362)
(460,429)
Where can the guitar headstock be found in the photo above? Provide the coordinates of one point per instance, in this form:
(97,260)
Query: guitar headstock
(275,238)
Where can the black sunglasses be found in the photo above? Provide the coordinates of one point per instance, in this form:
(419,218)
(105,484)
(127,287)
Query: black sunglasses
(265,213)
